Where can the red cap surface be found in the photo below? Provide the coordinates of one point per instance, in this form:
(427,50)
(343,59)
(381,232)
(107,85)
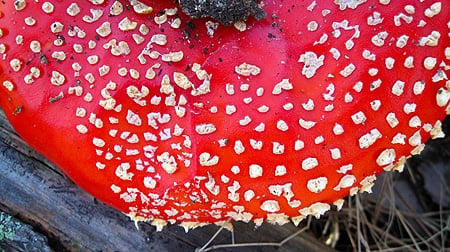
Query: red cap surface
(189,121)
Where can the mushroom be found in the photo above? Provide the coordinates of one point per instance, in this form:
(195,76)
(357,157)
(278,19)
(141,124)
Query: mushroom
(186,121)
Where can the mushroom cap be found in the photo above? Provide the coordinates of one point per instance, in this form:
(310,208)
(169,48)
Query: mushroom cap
(177,120)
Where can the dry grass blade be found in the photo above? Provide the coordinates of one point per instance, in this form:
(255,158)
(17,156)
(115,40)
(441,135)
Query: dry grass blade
(205,247)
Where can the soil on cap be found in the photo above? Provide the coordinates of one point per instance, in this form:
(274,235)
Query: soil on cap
(226,12)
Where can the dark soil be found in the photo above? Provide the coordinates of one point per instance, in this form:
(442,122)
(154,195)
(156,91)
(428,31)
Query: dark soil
(226,12)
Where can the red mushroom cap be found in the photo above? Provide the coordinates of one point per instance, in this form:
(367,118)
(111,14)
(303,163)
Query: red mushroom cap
(189,121)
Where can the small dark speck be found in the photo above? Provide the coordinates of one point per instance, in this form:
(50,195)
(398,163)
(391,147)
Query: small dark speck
(186,33)
(55,98)
(43,59)
(18,110)
(190,25)
(61,37)
(220,60)
(270,35)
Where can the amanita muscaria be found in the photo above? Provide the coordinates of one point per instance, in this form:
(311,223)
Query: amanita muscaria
(177,120)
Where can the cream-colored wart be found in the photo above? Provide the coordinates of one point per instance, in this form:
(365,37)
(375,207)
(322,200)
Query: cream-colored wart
(34,73)
(270,206)
(238,147)
(442,97)
(429,63)
(246,69)
(15,64)
(317,185)
(312,63)
(245,121)
(282,125)
(182,80)
(82,128)
(368,182)
(207,160)
(386,157)
(95,15)
(316,209)
(346,181)
(59,55)
(57,78)
(104,29)
(312,26)
(168,162)
(30,21)
(116,8)
(433,10)
(73,9)
(240,26)
(159,20)
(20,5)
(352,4)
(103,70)
(306,124)
(122,171)
(172,56)
(19,39)
(97,2)
(309,163)
(255,171)
(256,145)
(379,39)
(335,153)
(338,129)
(48,7)
(205,129)
(8,85)
(35,46)
(127,25)
(98,142)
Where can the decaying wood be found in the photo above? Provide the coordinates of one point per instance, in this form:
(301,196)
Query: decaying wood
(33,190)
(15,234)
